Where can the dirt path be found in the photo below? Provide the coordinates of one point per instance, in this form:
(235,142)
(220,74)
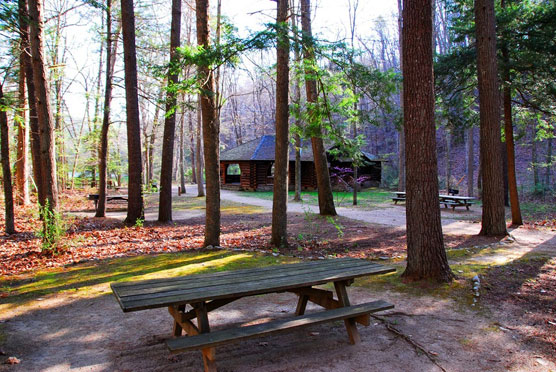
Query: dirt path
(80,332)
(68,332)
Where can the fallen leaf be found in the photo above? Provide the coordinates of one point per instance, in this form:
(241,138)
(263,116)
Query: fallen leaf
(12,360)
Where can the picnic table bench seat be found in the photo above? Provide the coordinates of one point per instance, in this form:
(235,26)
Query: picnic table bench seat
(109,198)
(226,336)
(192,297)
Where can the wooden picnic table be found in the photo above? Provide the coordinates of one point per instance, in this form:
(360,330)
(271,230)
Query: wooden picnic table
(400,196)
(457,201)
(109,198)
(207,292)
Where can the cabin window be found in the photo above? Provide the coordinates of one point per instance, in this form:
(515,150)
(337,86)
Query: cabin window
(233,170)
(233,173)
(270,172)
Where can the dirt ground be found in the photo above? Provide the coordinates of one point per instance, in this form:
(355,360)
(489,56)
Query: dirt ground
(510,328)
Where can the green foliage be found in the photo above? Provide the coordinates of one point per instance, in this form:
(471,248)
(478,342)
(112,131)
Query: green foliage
(53,228)
(139,222)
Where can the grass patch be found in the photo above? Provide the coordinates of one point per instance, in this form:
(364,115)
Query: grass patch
(93,278)
(372,197)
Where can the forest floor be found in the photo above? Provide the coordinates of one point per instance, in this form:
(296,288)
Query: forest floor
(57,314)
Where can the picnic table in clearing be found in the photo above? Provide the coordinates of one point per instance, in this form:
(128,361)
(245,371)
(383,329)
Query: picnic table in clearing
(109,198)
(446,200)
(457,201)
(207,292)
(400,196)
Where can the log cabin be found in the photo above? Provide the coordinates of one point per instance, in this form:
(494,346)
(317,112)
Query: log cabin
(250,166)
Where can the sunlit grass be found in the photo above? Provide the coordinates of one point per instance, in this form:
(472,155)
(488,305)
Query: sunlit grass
(94,278)
(368,198)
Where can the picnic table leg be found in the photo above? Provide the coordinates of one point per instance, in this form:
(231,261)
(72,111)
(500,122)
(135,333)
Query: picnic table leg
(301,304)
(343,298)
(177,327)
(204,327)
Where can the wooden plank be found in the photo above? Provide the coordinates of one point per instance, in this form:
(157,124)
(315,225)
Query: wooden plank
(200,277)
(185,324)
(326,299)
(260,286)
(203,324)
(190,282)
(222,337)
(343,299)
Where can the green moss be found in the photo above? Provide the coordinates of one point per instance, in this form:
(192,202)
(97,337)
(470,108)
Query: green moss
(93,278)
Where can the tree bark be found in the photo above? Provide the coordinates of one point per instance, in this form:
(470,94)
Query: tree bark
(135,194)
(426,257)
(493,218)
(23,20)
(297,98)
(325,197)
(401,135)
(280,195)
(448,161)
(103,149)
(21,164)
(182,152)
(211,132)
(44,112)
(199,152)
(6,171)
(470,162)
(165,207)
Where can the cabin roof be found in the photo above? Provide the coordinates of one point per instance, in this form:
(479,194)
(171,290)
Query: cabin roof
(262,149)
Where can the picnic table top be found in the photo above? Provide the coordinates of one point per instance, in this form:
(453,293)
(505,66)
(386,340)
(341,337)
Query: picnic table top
(148,294)
(456,197)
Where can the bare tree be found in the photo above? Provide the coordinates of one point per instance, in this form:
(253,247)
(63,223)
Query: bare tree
(493,220)
(426,257)
(21,164)
(199,151)
(135,195)
(165,207)
(111,49)
(23,20)
(211,132)
(325,197)
(44,112)
(401,135)
(6,171)
(280,195)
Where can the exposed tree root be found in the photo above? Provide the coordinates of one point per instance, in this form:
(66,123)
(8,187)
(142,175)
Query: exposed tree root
(413,343)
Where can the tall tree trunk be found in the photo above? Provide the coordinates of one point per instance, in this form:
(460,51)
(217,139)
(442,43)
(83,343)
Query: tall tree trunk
(548,169)
(23,20)
(192,132)
(470,161)
(103,149)
(510,147)
(165,207)
(297,98)
(199,151)
(211,133)
(448,160)
(401,135)
(21,164)
(182,152)
(44,112)
(534,156)
(493,219)
(280,195)
(6,171)
(426,257)
(135,195)
(325,197)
